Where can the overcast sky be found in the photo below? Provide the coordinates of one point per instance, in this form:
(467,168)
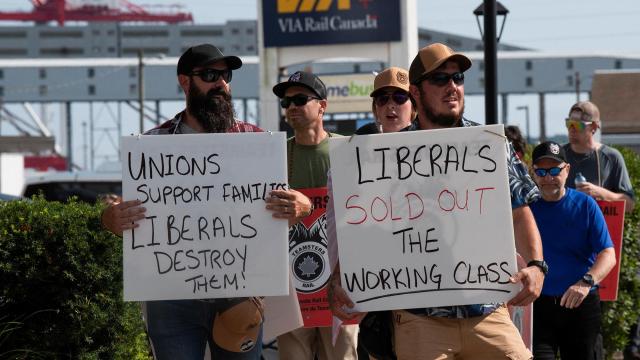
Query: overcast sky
(584,26)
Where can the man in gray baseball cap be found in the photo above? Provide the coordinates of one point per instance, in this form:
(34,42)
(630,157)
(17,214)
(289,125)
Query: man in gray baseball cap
(576,242)
(603,172)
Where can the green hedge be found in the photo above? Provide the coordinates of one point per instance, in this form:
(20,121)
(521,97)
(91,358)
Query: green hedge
(619,316)
(61,294)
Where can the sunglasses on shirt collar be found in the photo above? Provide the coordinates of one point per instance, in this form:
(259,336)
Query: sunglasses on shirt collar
(297,100)
(213,75)
(399,97)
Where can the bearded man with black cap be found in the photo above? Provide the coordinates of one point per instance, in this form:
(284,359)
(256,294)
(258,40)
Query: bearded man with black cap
(180,329)
(580,254)
(481,331)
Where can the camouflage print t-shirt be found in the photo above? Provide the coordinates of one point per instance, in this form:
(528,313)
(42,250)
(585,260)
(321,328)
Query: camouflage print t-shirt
(523,192)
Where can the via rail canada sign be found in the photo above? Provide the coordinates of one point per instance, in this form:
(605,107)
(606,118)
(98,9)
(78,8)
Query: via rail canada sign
(324,22)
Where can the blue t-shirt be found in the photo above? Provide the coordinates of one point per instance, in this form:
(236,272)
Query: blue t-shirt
(573,233)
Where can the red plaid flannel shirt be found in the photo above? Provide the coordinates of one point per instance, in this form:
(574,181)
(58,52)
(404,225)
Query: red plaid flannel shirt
(173,127)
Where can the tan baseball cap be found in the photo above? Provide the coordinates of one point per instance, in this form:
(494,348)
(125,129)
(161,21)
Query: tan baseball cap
(431,57)
(584,111)
(237,328)
(391,77)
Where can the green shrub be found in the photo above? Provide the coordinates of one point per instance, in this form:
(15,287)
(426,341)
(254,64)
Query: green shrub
(619,316)
(61,294)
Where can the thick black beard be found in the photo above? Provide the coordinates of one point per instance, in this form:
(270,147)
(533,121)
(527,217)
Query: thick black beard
(215,114)
(441,120)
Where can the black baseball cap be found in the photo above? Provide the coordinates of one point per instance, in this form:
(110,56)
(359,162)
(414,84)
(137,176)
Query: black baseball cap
(549,150)
(202,55)
(304,79)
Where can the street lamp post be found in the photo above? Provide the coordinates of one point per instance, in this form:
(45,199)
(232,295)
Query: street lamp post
(526,117)
(490,9)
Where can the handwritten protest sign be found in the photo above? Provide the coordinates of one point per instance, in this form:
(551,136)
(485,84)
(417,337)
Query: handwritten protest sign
(206,233)
(424,218)
(613,212)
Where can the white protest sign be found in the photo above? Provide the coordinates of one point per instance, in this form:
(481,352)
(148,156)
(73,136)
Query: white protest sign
(424,218)
(206,233)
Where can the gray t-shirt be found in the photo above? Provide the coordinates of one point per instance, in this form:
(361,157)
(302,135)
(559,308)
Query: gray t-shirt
(613,171)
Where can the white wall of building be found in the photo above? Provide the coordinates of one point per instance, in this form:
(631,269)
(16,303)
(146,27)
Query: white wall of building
(11,174)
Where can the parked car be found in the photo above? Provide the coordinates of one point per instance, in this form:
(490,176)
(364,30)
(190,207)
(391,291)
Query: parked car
(60,186)
(7,197)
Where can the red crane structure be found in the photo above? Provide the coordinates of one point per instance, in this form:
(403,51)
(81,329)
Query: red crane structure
(96,10)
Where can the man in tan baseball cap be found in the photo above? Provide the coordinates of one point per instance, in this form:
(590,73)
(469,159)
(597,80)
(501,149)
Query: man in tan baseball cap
(437,83)
(480,331)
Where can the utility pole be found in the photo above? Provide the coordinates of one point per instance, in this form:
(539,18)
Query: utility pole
(577,86)
(141,88)
(526,117)
(505,108)
(543,127)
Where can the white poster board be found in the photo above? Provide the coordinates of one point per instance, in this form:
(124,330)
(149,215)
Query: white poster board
(424,218)
(206,233)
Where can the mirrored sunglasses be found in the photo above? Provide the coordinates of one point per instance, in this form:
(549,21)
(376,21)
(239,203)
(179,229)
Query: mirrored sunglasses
(398,97)
(442,78)
(297,100)
(577,125)
(213,75)
(554,171)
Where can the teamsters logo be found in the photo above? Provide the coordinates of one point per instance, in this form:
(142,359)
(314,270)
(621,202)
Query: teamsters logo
(308,255)
(306,24)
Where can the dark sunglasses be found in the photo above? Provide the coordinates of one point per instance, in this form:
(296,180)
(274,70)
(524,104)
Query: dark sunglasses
(442,78)
(297,100)
(397,97)
(213,75)
(554,171)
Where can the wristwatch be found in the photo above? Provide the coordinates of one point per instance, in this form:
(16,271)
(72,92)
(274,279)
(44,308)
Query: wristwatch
(541,264)
(588,279)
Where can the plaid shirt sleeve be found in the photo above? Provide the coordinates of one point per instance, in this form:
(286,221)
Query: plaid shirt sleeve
(523,190)
(241,126)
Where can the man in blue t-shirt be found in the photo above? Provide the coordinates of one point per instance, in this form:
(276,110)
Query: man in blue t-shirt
(579,251)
